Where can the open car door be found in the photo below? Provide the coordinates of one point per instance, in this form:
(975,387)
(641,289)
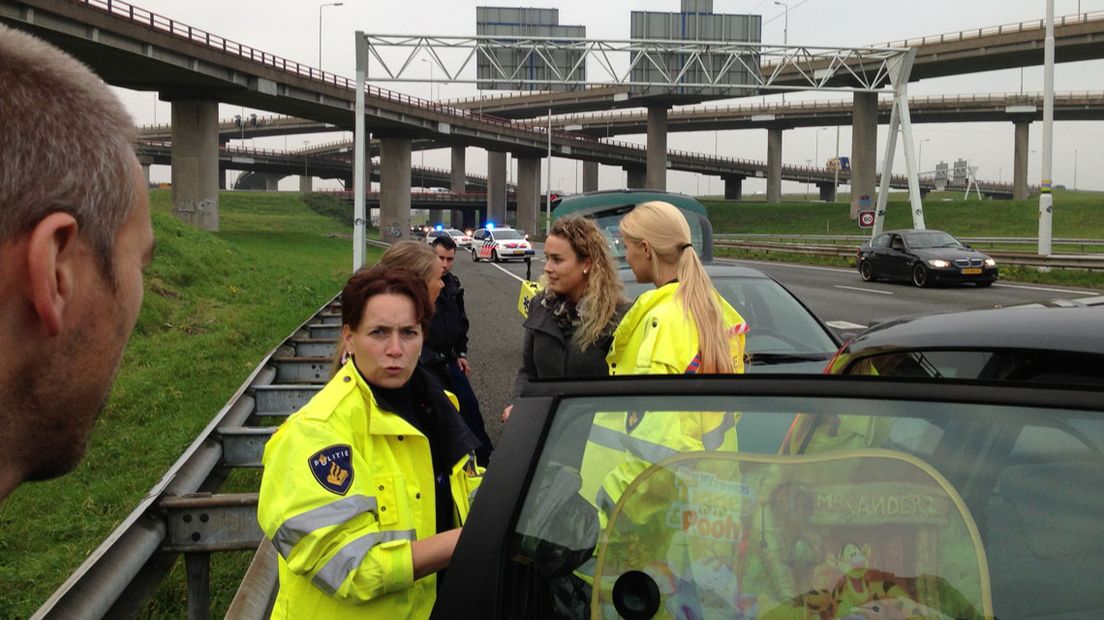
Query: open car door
(918,499)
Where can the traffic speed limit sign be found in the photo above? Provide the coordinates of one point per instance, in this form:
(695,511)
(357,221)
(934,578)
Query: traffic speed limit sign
(866,219)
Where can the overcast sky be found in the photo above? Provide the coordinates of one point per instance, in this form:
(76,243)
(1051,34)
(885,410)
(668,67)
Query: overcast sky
(289,28)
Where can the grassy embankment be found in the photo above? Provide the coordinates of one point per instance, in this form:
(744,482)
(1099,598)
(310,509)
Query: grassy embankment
(1076,215)
(215,304)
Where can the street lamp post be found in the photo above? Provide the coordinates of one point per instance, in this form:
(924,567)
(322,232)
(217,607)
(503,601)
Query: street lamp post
(320,7)
(816,146)
(920,156)
(785,27)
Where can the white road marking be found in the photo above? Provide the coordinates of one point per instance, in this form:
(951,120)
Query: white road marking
(844,325)
(1042,288)
(733,261)
(864,290)
(505,271)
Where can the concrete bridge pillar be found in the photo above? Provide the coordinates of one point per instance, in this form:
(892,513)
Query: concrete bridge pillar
(774,165)
(195,163)
(637,177)
(272,182)
(590,176)
(1019,161)
(528,193)
(496,188)
(657,148)
(394,188)
(864,149)
(146,162)
(306,184)
(827,191)
(733,187)
(458,184)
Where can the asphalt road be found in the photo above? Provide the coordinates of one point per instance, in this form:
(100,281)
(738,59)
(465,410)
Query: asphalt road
(838,296)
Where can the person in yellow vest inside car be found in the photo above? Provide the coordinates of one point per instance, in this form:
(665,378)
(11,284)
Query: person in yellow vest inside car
(366,487)
(683,326)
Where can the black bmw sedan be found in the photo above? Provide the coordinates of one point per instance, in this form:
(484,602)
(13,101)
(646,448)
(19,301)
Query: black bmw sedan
(924,257)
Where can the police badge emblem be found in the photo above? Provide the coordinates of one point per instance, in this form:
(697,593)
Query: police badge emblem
(333,468)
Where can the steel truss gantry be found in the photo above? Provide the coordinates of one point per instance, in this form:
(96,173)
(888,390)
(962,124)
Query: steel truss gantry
(714,67)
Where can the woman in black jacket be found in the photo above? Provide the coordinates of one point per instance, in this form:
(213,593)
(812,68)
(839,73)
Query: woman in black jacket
(571,322)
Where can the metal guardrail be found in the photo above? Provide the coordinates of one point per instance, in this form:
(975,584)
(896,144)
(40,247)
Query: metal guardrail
(864,238)
(175,518)
(1023,259)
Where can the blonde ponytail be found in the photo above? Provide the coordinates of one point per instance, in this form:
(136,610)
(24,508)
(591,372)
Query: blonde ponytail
(663,226)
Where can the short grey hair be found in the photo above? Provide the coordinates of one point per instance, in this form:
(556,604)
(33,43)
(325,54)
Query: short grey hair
(65,146)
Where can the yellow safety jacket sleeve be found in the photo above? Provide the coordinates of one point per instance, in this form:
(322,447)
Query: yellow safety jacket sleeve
(347,545)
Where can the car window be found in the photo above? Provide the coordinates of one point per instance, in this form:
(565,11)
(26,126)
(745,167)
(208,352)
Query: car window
(896,242)
(931,239)
(770,506)
(1049,367)
(506,234)
(881,241)
(480,234)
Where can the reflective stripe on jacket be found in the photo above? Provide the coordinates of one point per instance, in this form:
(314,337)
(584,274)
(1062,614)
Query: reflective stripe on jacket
(655,337)
(658,337)
(347,488)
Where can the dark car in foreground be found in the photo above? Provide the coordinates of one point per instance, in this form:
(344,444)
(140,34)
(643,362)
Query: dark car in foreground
(966,486)
(924,257)
(1018,344)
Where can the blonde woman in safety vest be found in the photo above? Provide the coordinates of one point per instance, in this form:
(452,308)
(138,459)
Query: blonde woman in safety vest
(366,487)
(682,327)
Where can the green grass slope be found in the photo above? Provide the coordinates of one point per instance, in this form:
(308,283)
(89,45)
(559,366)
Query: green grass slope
(215,303)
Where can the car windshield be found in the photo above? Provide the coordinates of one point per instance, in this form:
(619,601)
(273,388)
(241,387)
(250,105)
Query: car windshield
(506,234)
(781,329)
(830,507)
(931,239)
(608,223)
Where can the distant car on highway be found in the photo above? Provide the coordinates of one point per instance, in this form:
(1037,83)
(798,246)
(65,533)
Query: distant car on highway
(495,243)
(924,257)
(458,237)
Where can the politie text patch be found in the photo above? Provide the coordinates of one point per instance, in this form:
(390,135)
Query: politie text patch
(333,468)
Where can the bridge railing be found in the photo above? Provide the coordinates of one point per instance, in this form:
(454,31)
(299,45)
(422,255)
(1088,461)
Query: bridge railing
(974,33)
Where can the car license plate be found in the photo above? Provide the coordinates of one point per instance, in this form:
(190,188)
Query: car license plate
(972,271)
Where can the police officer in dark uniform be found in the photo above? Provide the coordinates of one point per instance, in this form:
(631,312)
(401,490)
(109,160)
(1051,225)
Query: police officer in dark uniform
(446,346)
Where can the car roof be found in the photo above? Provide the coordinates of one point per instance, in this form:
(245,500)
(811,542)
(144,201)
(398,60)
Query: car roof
(903,231)
(621,197)
(1072,329)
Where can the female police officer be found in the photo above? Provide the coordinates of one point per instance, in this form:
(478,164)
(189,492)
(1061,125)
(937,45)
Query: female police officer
(366,487)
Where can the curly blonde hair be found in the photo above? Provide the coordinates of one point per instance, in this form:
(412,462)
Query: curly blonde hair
(604,290)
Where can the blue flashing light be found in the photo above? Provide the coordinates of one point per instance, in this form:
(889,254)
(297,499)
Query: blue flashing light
(490,225)
(439,227)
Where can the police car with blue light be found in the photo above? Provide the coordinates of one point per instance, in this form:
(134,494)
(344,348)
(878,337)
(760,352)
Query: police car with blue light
(499,243)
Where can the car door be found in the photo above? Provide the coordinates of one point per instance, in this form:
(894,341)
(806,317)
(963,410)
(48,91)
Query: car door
(823,497)
(879,255)
(898,257)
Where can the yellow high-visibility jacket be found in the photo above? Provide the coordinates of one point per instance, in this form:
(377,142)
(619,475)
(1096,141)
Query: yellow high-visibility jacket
(347,487)
(657,337)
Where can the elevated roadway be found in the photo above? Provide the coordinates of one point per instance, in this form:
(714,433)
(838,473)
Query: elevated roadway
(1076,37)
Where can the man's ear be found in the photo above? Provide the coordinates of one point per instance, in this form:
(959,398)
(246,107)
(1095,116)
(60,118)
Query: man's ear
(52,267)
